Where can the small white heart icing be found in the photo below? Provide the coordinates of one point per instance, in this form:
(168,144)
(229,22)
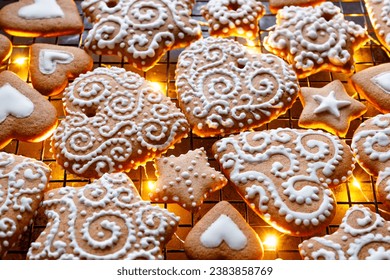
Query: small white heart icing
(383,81)
(13,103)
(224,229)
(48,60)
(41,9)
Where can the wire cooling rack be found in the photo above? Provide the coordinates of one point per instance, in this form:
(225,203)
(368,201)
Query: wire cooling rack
(359,190)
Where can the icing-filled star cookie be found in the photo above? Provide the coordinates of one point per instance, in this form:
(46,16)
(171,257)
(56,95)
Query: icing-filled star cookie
(223,88)
(51,66)
(276,5)
(115,121)
(373,84)
(362,235)
(22,184)
(186,179)
(313,39)
(103,220)
(5,48)
(383,187)
(140,31)
(223,234)
(378,11)
(233,17)
(329,108)
(41,18)
(285,175)
(371,144)
(24,113)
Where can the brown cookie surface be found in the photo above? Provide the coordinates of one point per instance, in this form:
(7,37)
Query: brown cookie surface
(313,39)
(284,175)
(140,31)
(362,235)
(223,234)
(187,179)
(23,182)
(5,48)
(41,18)
(329,108)
(383,187)
(115,121)
(233,17)
(223,88)
(24,113)
(103,220)
(51,66)
(276,5)
(373,84)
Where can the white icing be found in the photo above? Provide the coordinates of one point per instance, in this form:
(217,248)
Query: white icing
(379,11)
(383,81)
(312,37)
(224,229)
(48,60)
(330,104)
(116,223)
(115,120)
(14,103)
(141,31)
(41,9)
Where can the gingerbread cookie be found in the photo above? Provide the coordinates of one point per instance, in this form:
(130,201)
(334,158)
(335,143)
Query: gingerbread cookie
(223,88)
(371,143)
(41,18)
(22,183)
(285,175)
(383,187)
(378,11)
(373,84)
(103,220)
(233,17)
(313,39)
(51,66)
(140,31)
(115,121)
(329,108)
(186,180)
(5,48)
(24,113)
(275,5)
(362,235)
(223,234)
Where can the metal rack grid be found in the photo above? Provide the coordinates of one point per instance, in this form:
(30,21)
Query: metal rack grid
(164,73)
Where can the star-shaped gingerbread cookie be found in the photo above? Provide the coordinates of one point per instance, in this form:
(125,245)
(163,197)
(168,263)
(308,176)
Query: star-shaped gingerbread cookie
(329,108)
(5,48)
(186,180)
(103,220)
(140,31)
(362,234)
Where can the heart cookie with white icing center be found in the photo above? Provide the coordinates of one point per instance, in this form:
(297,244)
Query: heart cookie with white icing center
(285,175)
(223,234)
(52,66)
(223,88)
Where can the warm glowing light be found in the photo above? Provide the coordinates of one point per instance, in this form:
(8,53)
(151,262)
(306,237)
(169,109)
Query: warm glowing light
(270,241)
(355,183)
(157,86)
(20,60)
(150,185)
(250,43)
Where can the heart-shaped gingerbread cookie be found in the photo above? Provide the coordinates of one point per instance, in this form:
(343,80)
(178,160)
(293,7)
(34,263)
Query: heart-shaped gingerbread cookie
(115,121)
(223,88)
(285,175)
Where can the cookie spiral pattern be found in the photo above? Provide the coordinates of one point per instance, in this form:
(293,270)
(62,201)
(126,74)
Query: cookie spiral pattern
(22,184)
(285,174)
(115,121)
(140,31)
(223,88)
(103,220)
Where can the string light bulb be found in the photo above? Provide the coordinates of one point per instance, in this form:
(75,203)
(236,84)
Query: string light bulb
(157,86)
(22,60)
(355,183)
(270,241)
(150,185)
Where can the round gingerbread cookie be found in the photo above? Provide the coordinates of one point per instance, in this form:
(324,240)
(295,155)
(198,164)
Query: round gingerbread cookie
(233,17)
(115,121)
(285,175)
(223,88)
(383,187)
(371,142)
